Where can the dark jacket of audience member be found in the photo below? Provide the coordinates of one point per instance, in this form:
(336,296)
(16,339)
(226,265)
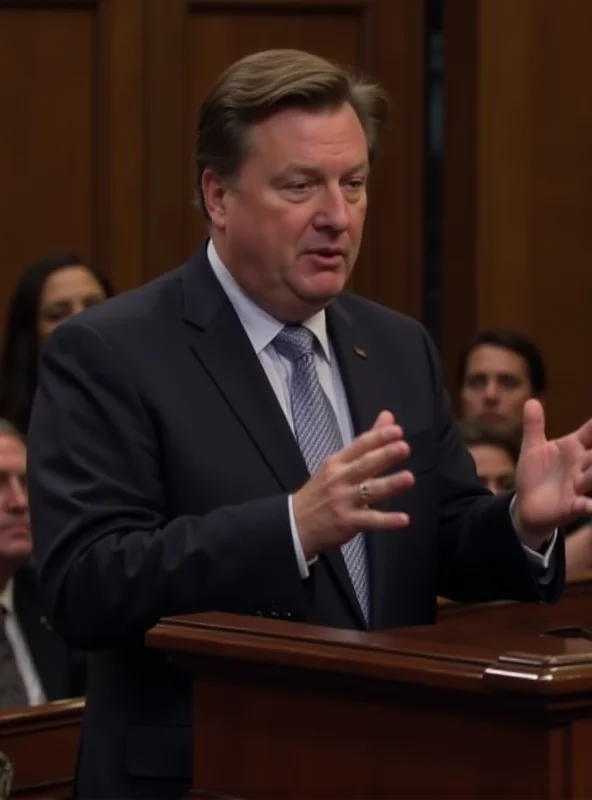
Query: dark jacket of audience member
(61,670)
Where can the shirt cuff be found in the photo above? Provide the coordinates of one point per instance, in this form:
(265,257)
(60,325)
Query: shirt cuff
(303,564)
(542,561)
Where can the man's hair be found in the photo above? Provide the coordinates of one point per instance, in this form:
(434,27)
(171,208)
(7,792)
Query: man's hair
(475,433)
(515,342)
(8,429)
(264,83)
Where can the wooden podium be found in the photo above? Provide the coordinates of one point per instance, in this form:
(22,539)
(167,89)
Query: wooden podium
(492,702)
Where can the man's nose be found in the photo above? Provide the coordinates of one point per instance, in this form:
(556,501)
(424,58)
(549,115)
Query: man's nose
(333,210)
(492,485)
(491,393)
(76,307)
(17,495)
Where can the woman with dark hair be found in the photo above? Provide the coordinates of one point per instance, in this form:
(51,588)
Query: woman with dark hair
(48,292)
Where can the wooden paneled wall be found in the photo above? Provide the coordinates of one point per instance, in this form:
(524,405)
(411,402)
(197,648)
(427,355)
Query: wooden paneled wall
(73,137)
(100,99)
(517,184)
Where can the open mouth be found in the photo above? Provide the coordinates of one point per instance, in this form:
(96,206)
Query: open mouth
(328,255)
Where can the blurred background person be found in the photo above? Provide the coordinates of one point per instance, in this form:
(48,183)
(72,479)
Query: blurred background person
(35,665)
(48,292)
(495,452)
(498,372)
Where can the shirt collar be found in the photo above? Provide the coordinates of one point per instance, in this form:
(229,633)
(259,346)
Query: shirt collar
(261,327)
(7,597)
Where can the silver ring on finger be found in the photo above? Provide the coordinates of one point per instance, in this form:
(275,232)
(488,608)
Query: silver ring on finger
(364,493)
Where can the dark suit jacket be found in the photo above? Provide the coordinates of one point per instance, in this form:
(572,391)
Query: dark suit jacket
(160,465)
(60,670)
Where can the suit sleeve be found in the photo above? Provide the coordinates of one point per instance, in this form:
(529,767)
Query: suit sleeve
(480,557)
(110,560)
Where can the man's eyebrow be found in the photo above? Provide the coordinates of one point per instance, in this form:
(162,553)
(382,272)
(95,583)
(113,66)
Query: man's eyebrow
(503,374)
(310,169)
(299,167)
(363,166)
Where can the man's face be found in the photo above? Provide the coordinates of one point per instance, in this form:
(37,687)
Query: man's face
(495,467)
(289,227)
(15,533)
(496,386)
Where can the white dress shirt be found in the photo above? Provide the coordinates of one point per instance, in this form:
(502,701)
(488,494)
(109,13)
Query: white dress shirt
(262,328)
(22,656)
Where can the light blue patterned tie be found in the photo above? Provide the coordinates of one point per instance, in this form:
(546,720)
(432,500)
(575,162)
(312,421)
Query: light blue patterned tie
(318,435)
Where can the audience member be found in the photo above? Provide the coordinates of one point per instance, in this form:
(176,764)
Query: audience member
(35,666)
(48,292)
(495,452)
(498,372)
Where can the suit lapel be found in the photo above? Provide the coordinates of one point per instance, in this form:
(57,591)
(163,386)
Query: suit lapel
(357,366)
(214,331)
(361,378)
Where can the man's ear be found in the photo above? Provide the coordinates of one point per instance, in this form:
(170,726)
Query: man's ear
(214,194)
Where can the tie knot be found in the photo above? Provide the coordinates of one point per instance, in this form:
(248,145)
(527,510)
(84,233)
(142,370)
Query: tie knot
(294,341)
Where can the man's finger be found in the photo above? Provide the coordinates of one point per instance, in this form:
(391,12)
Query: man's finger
(583,482)
(585,434)
(376,461)
(370,440)
(582,506)
(586,461)
(383,419)
(370,519)
(534,424)
(387,486)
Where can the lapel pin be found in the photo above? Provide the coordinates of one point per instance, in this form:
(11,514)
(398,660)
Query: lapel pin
(360,352)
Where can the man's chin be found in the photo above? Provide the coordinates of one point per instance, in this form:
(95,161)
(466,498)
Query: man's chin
(313,303)
(494,420)
(323,289)
(305,299)
(17,556)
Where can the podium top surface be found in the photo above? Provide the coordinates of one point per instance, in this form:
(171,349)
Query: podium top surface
(528,648)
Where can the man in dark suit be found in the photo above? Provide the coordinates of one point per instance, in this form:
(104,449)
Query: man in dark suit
(61,670)
(240,435)
(35,665)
